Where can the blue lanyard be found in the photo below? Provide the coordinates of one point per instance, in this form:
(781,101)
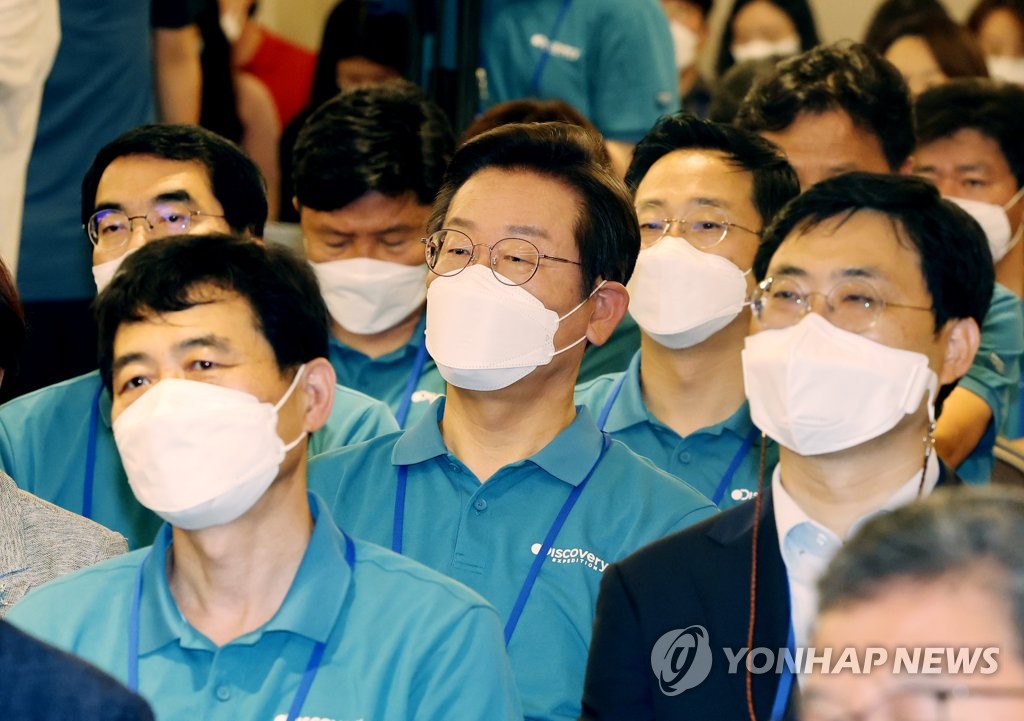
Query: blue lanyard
(786,680)
(90,452)
(308,676)
(542,553)
(538,71)
(410,385)
(734,464)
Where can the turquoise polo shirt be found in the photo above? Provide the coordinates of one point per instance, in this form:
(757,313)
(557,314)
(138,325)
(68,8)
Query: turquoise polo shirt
(386,377)
(702,458)
(994,376)
(611,60)
(486,535)
(402,642)
(44,446)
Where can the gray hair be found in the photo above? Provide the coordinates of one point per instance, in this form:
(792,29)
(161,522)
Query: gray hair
(955,530)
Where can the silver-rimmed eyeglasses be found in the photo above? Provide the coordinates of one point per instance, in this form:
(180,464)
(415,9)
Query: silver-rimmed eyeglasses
(703,226)
(852,305)
(513,261)
(110,229)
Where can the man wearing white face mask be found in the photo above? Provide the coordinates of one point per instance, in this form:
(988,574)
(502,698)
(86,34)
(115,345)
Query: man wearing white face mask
(688,23)
(214,349)
(703,192)
(367,165)
(506,485)
(151,182)
(872,290)
(970,146)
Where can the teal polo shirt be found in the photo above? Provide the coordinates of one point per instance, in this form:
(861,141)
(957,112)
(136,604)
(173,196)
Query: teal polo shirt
(994,376)
(386,378)
(402,642)
(44,446)
(486,535)
(702,458)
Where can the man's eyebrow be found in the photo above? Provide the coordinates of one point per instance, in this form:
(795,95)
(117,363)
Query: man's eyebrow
(121,361)
(789,271)
(456,221)
(210,340)
(531,230)
(792,271)
(181,196)
(396,228)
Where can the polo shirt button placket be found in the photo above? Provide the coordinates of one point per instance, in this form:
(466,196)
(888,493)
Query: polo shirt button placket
(480,505)
(223,693)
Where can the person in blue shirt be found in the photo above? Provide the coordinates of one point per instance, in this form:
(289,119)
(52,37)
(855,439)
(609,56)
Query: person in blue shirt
(970,147)
(252,603)
(367,165)
(152,181)
(703,192)
(506,485)
(842,107)
(613,61)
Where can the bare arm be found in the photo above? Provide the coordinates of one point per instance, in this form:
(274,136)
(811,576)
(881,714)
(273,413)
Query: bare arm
(177,73)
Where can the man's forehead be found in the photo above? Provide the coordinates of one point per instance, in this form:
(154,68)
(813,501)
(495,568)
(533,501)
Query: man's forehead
(863,239)
(127,173)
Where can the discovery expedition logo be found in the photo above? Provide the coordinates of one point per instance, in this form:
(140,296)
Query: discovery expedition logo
(681,659)
(573,555)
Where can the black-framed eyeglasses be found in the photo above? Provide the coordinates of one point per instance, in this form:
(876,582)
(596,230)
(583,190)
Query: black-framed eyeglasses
(853,305)
(703,226)
(513,261)
(110,230)
(905,703)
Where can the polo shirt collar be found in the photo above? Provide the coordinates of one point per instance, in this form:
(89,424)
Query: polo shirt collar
(629,409)
(568,457)
(310,608)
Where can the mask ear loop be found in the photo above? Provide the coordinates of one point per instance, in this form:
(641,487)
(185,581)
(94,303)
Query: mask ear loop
(284,399)
(580,305)
(1015,239)
(929,438)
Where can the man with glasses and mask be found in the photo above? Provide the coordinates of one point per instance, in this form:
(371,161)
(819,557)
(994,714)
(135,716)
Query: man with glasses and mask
(703,192)
(251,603)
(871,294)
(945,573)
(505,485)
(153,181)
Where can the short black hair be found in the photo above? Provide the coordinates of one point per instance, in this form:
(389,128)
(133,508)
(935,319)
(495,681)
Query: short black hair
(12,321)
(391,139)
(886,24)
(844,76)
(606,228)
(799,13)
(775,181)
(171,276)
(953,532)
(993,109)
(955,259)
(235,180)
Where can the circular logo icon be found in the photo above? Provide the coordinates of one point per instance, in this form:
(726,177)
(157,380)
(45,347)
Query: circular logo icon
(681,659)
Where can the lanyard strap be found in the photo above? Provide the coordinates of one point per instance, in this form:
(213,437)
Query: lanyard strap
(734,465)
(410,385)
(542,553)
(606,410)
(786,681)
(90,452)
(545,53)
(312,666)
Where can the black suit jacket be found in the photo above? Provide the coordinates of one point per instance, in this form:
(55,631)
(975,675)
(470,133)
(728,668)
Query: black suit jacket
(699,576)
(40,683)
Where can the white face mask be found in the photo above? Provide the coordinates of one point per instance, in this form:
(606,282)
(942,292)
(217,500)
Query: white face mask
(993,220)
(681,296)
(368,296)
(685,42)
(759,49)
(1006,68)
(104,272)
(815,388)
(198,454)
(485,335)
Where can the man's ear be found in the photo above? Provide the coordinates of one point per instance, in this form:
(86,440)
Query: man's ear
(610,304)
(962,340)
(318,387)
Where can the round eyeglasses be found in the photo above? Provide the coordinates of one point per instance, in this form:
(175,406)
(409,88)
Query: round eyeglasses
(704,226)
(110,230)
(853,305)
(513,261)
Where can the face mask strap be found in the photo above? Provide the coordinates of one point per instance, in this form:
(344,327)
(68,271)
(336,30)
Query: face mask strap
(582,303)
(291,388)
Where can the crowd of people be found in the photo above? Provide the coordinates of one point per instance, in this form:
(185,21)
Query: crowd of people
(647,396)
